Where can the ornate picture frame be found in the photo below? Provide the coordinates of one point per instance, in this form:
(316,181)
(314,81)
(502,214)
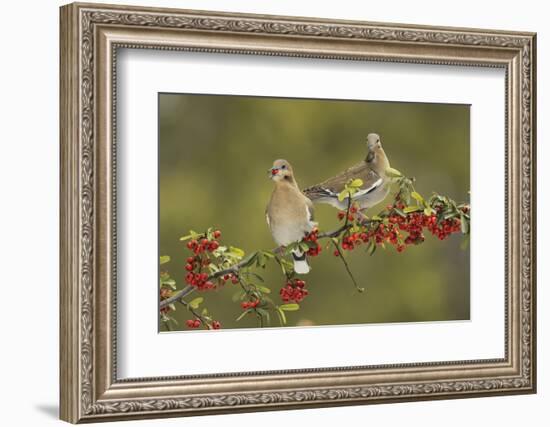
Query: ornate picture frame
(90,37)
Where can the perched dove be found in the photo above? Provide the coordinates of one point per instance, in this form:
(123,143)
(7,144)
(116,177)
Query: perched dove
(372,171)
(289,213)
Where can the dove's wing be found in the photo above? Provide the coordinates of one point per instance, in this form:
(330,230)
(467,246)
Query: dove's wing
(333,186)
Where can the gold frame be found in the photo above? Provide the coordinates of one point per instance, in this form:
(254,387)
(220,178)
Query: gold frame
(90,36)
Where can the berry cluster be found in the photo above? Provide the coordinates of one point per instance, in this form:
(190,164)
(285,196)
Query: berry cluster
(234,279)
(294,290)
(351,215)
(352,240)
(193,323)
(196,323)
(200,281)
(205,244)
(245,305)
(200,248)
(391,231)
(312,237)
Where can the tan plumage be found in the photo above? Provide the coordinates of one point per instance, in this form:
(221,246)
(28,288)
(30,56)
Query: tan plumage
(289,213)
(371,170)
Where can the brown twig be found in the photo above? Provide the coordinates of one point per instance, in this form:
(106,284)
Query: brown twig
(195,313)
(234,269)
(341,256)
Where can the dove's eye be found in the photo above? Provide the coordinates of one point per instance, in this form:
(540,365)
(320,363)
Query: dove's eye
(283,167)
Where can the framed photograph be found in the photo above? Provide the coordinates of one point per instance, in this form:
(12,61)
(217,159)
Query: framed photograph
(265,212)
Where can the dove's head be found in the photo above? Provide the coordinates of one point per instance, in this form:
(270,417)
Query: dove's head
(374,147)
(281,170)
(373,141)
(376,158)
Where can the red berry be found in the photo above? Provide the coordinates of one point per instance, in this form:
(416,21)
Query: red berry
(196,323)
(190,323)
(188,267)
(216,324)
(217,234)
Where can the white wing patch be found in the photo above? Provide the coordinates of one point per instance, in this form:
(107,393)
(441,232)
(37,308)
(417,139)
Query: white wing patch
(309,214)
(368,190)
(359,193)
(309,217)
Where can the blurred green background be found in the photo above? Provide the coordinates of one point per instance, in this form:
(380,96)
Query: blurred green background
(214,155)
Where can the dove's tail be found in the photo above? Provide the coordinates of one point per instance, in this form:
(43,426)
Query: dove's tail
(301,266)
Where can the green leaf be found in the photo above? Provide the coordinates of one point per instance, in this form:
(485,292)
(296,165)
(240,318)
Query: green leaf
(194,304)
(289,307)
(356,183)
(405,195)
(343,194)
(464,226)
(210,233)
(416,196)
(192,235)
(220,251)
(204,312)
(263,312)
(268,254)
(282,316)
(250,273)
(168,282)
(286,263)
(372,247)
(261,259)
(393,173)
(304,246)
(400,212)
(244,313)
(248,261)
(164,259)
(263,289)
(376,218)
(428,211)
(237,252)
(410,209)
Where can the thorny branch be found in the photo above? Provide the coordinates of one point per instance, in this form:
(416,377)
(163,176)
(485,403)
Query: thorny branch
(234,269)
(402,223)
